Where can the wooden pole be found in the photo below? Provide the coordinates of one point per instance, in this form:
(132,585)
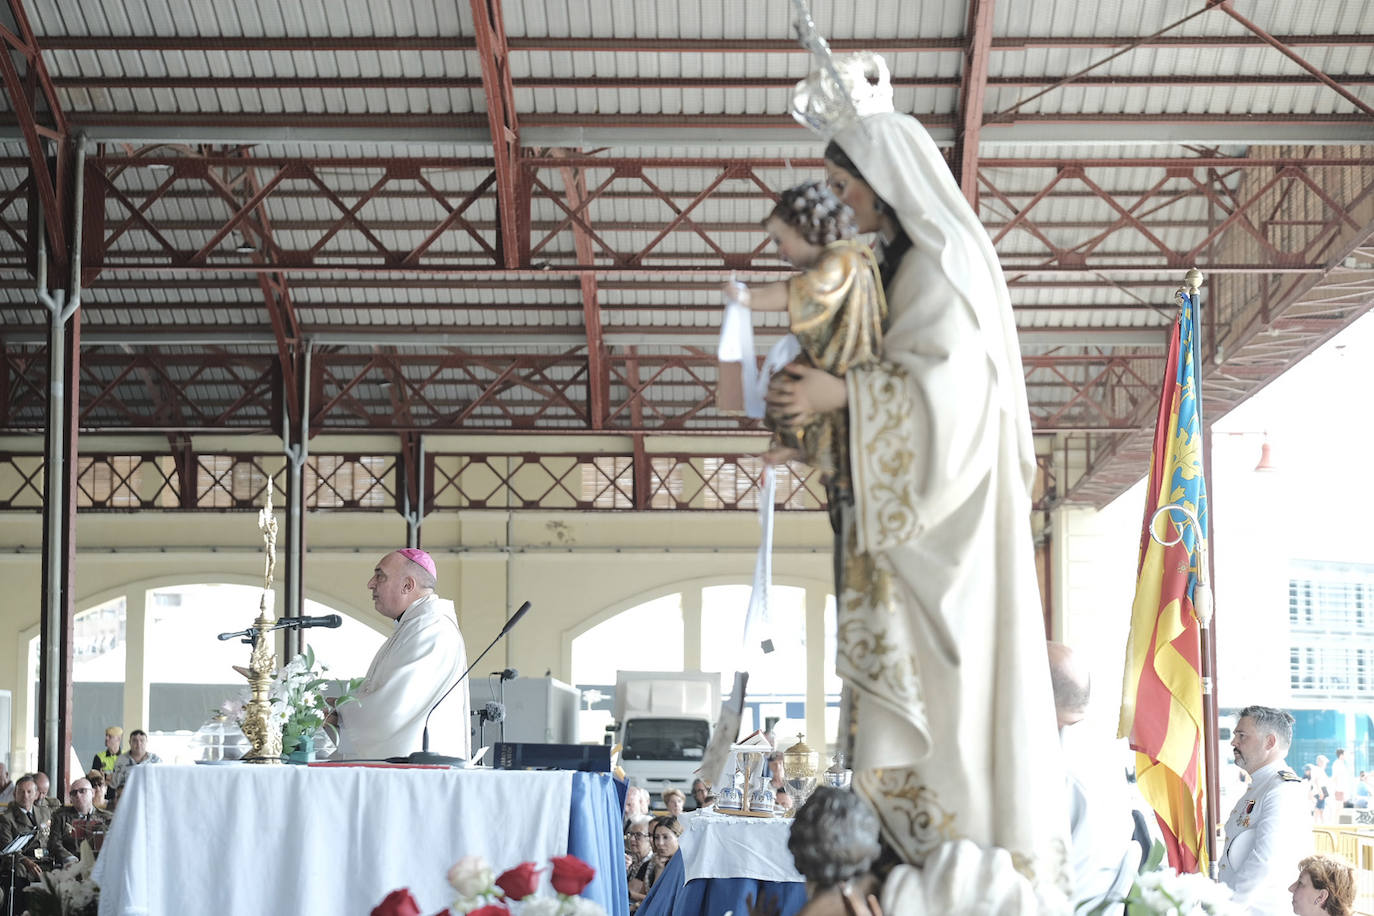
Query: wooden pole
(1208,651)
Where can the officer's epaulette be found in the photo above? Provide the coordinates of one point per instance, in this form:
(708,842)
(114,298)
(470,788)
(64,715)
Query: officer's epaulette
(1289,776)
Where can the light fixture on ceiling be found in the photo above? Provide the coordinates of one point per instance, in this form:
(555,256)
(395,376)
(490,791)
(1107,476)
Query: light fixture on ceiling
(160,166)
(245,248)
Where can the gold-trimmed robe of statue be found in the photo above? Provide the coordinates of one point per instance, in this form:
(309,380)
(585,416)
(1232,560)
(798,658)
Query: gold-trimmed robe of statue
(940,634)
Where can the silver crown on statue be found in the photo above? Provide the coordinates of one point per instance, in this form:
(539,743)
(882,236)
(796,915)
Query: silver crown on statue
(842,91)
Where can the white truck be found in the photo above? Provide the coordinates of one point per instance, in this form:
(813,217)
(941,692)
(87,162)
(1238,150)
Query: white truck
(663,722)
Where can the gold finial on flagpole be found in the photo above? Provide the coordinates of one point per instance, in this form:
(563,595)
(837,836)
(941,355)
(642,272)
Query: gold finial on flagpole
(1192,282)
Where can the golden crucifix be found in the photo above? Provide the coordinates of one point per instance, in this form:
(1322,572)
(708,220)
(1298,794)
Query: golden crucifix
(263,731)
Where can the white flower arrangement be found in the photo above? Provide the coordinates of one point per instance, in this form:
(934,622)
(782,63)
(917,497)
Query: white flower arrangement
(297,699)
(1161,891)
(481,892)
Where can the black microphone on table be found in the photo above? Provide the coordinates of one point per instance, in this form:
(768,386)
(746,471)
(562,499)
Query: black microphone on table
(424,756)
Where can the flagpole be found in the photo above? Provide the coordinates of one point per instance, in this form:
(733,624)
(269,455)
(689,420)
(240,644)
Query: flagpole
(1191,283)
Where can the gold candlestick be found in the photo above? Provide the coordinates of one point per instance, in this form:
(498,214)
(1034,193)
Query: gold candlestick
(261,729)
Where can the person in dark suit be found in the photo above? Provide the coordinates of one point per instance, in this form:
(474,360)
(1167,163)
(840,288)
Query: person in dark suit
(75,821)
(22,816)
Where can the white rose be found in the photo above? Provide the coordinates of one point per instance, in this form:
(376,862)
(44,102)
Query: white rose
(541,906)
(471,876)
(581,906)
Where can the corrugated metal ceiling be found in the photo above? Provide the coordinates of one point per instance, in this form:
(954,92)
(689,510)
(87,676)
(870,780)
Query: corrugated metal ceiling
(389,219)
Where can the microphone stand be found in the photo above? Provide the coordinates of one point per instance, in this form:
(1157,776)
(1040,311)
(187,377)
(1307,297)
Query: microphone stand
(501,726)
(16,849)
(424,757)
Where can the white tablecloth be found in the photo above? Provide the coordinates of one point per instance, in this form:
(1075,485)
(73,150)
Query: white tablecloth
(726,846)
(284,840)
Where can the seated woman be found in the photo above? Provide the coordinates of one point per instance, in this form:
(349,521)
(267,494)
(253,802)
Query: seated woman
(702,796)
(97,780)
(1325,887)
(639,855)
(663,833)
(663,837)
(674,800)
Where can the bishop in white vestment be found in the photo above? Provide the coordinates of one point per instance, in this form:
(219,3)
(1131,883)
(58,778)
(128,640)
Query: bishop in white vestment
(421,660)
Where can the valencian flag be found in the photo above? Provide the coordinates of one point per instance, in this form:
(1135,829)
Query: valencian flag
(1161,704)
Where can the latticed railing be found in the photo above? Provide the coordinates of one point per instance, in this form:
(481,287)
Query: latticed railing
(452,481)
(666,481)
(221,481)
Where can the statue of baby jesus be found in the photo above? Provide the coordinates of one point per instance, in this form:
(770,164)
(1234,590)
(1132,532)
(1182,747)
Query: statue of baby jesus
(835,308)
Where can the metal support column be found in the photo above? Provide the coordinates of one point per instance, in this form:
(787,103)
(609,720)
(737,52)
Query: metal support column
(57,618)
(413,495)
(296,445)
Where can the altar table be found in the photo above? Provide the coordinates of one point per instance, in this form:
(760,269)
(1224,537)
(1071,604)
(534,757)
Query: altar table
(722,861)
(335,840)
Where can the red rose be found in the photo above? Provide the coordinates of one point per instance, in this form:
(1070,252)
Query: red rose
(491,909)
(397,903)
(519,882)
(571,874)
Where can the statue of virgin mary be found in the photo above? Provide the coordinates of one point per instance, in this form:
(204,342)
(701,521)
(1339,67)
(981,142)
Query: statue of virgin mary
(941,641)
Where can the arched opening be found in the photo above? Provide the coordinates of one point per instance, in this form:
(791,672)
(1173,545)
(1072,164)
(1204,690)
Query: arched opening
(647,637)
(99,650)
(100,653)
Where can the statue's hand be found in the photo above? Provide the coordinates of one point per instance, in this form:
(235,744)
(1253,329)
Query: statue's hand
(734,292)
(799,392)
(856,904)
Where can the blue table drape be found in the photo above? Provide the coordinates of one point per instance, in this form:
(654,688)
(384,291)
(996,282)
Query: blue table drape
(595,835)
(715,896)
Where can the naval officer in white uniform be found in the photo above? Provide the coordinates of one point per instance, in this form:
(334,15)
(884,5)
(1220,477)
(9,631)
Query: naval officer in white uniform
(1270,829)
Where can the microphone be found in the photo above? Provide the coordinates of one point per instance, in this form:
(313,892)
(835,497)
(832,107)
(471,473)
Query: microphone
(506,674)
(510,625)
(243,633)
(423,755)
(332,621)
